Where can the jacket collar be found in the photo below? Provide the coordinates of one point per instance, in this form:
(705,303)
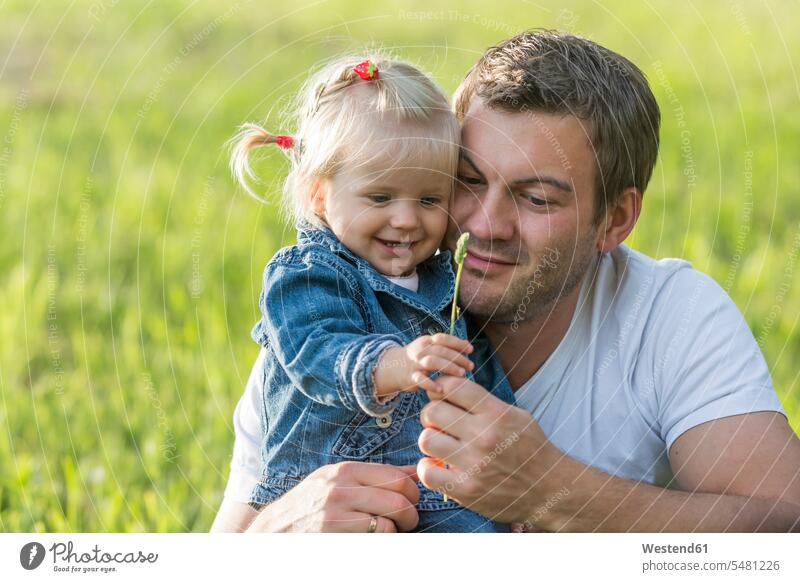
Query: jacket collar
(435,290)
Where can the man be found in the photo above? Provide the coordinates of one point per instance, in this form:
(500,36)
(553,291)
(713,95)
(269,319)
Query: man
(643,401)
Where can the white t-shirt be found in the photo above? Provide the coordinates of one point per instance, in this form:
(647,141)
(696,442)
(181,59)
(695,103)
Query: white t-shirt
(410,282)
(654,348)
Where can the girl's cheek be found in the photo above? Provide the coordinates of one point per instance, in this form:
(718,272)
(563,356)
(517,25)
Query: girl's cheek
(444,220)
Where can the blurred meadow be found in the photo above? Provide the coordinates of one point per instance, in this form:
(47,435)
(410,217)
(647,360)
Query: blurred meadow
(130,265)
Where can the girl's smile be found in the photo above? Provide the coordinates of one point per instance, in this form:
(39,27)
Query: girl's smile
(395,219)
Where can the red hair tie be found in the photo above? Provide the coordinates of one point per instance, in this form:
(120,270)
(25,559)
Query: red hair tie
(366,70)
(285,142)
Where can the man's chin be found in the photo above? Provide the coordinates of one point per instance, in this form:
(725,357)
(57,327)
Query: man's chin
(486,303)
(490,314)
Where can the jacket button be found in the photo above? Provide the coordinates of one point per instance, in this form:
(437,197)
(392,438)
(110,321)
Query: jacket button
(434,329)
(384,421)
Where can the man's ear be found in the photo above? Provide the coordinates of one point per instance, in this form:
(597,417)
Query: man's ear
(619,220)
(318,194)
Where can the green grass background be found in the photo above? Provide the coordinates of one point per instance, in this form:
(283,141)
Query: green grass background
(130,265)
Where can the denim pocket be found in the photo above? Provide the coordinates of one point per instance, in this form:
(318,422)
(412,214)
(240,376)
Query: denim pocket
(364,434)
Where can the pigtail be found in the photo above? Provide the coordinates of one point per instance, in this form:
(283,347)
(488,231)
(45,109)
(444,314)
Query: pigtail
(337,127)
(249,137)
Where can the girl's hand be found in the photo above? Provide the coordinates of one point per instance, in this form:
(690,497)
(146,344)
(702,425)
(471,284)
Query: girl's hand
(407,368)
(436,353)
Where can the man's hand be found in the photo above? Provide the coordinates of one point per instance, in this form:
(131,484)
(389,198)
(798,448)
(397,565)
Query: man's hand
(503,466)
(343,498)
(500,462)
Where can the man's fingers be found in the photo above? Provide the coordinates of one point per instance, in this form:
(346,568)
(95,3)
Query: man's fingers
(424,382)
(442,415)
(385,525)
(441,445)
(374,501)
(434,394)
(434,476)
(466,394)
(357,522)
(410,470)
(386,477)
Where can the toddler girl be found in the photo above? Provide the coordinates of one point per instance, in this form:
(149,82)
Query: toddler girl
(355,315)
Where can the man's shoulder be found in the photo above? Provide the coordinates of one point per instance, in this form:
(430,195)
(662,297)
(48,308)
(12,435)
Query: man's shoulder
(672,304)
(632,265)
(667,280)
(663,299)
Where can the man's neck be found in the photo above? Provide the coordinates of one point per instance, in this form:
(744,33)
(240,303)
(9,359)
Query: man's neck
(524,347)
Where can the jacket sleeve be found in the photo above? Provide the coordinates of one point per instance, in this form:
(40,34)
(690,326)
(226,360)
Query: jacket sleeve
(316,320)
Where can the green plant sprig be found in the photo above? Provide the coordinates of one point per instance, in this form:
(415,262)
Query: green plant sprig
(460,254)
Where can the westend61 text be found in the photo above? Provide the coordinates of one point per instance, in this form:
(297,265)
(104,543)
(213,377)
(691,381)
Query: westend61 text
(670,549)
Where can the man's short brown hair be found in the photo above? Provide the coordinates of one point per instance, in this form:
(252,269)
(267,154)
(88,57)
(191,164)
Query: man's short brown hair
(558,73)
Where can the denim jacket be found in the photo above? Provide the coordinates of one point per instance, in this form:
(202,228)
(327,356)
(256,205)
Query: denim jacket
(328,316)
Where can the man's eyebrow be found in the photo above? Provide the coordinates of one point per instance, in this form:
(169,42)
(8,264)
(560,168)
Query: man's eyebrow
(549,180)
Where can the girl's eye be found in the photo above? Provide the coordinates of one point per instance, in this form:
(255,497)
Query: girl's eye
(379,198)
(430,201)
(469,180)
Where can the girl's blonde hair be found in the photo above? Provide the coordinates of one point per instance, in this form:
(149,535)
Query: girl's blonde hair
(401,118)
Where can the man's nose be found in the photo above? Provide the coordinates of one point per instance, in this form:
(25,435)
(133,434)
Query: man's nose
(494,215)
(405,215)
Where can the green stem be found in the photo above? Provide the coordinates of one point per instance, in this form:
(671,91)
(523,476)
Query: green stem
(454,312)
(461,251)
